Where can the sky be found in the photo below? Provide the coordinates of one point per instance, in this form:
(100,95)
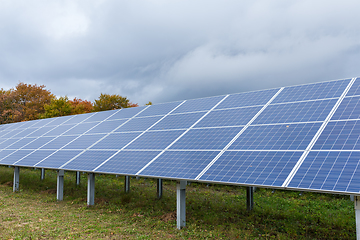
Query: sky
(162,51)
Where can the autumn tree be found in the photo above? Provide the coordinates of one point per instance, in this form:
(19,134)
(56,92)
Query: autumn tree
(81,106)
(110,102)
(8,113)
(57,107)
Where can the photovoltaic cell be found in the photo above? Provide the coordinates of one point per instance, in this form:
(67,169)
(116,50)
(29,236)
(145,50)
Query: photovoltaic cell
(340,136)
(228,117)
(138,124)
(39,142)
(348,109)
(178,121)
(276,137)
(106,126)
(355,88)
(201,104)
(24,133)
(38,123)
(34,158)
(81,128)
(247,99)
(331,171)
(41,131)
(155,140)
(14,157)
(58,142)
(59,130)
(127,162)
(252,167)
(126,113)
(21,143)
(100,116)
(79,118)
(159,109)
(5,153)
(57,159)
(84,141)
(180,164)
(88,160)
(7,143)
(115,141)
(322,90)
(211,138)
(296,112)
(60,120)
(11,133)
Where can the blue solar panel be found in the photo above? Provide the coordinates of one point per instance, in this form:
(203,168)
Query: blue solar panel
(247,99)
(178,121)
(41,131)
(89,160)
(100,116)
(155,140)
(38,123)
(11,133)
(138,124)
(5,153)
(84,141)
(296,112)
(115,141)
(126,113)
(39,142)
(321,90)
(228,117)
(159,109)
(58,142)
(180,164)
(355,88)
(14,157)
(57,159)
(21,143)
(276,137)
(127,162)
(33,158)
(201,104)
(107,126)
(7,143)
(60,120)
(348,109)
(331,171)
(81,128)
(79,118)
(24,133)
(59,130)
(252,167)
(212,138)
(340,136)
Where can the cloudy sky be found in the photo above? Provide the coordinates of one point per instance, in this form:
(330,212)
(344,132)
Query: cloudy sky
(162,50)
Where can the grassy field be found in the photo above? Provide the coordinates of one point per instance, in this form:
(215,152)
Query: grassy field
(213,212)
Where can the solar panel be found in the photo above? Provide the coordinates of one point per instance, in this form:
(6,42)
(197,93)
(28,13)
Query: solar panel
(298,137)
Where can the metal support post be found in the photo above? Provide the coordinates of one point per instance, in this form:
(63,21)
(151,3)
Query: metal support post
(60,185)
(357,216)
(91,189)
(181,204)
(250,198)
(78,178)
(127,184)
(159,188)
(16,179)
(42,174)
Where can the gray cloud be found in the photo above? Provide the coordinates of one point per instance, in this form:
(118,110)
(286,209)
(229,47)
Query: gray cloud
(160,51)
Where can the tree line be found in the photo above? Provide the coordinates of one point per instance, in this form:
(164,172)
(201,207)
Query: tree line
(27,102)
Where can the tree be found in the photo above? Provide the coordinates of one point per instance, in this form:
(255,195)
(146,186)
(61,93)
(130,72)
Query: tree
(110,102)
(149,103)
(57,108)
(8,112)
(81,106)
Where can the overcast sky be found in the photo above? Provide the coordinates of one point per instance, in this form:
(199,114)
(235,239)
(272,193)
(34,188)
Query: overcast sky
(167,50)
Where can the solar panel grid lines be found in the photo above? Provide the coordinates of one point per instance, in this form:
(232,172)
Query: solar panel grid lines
(237,135)
(317,135)
(168,147)
(141,134)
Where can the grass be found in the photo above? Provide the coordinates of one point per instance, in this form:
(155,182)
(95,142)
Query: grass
(213,212)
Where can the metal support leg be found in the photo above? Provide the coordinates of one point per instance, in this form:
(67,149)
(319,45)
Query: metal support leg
(60,185)
(159,188)
(357,216)
(78,178)
(91,189)
(127,184)
(16,179)
(42,175)
(181,204)
(250,198)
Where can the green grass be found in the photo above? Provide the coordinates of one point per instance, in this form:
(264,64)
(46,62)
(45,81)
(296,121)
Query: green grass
(213,212)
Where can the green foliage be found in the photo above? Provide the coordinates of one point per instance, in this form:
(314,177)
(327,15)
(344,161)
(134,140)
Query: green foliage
(149,103)
(57,107)
(110,102)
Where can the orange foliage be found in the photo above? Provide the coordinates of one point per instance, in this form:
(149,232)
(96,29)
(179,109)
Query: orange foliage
(81,106)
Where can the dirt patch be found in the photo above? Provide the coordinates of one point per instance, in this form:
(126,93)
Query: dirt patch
(49,191)
(168,216)
(8,184)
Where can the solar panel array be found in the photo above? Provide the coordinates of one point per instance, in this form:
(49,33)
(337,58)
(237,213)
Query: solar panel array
(299,137)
